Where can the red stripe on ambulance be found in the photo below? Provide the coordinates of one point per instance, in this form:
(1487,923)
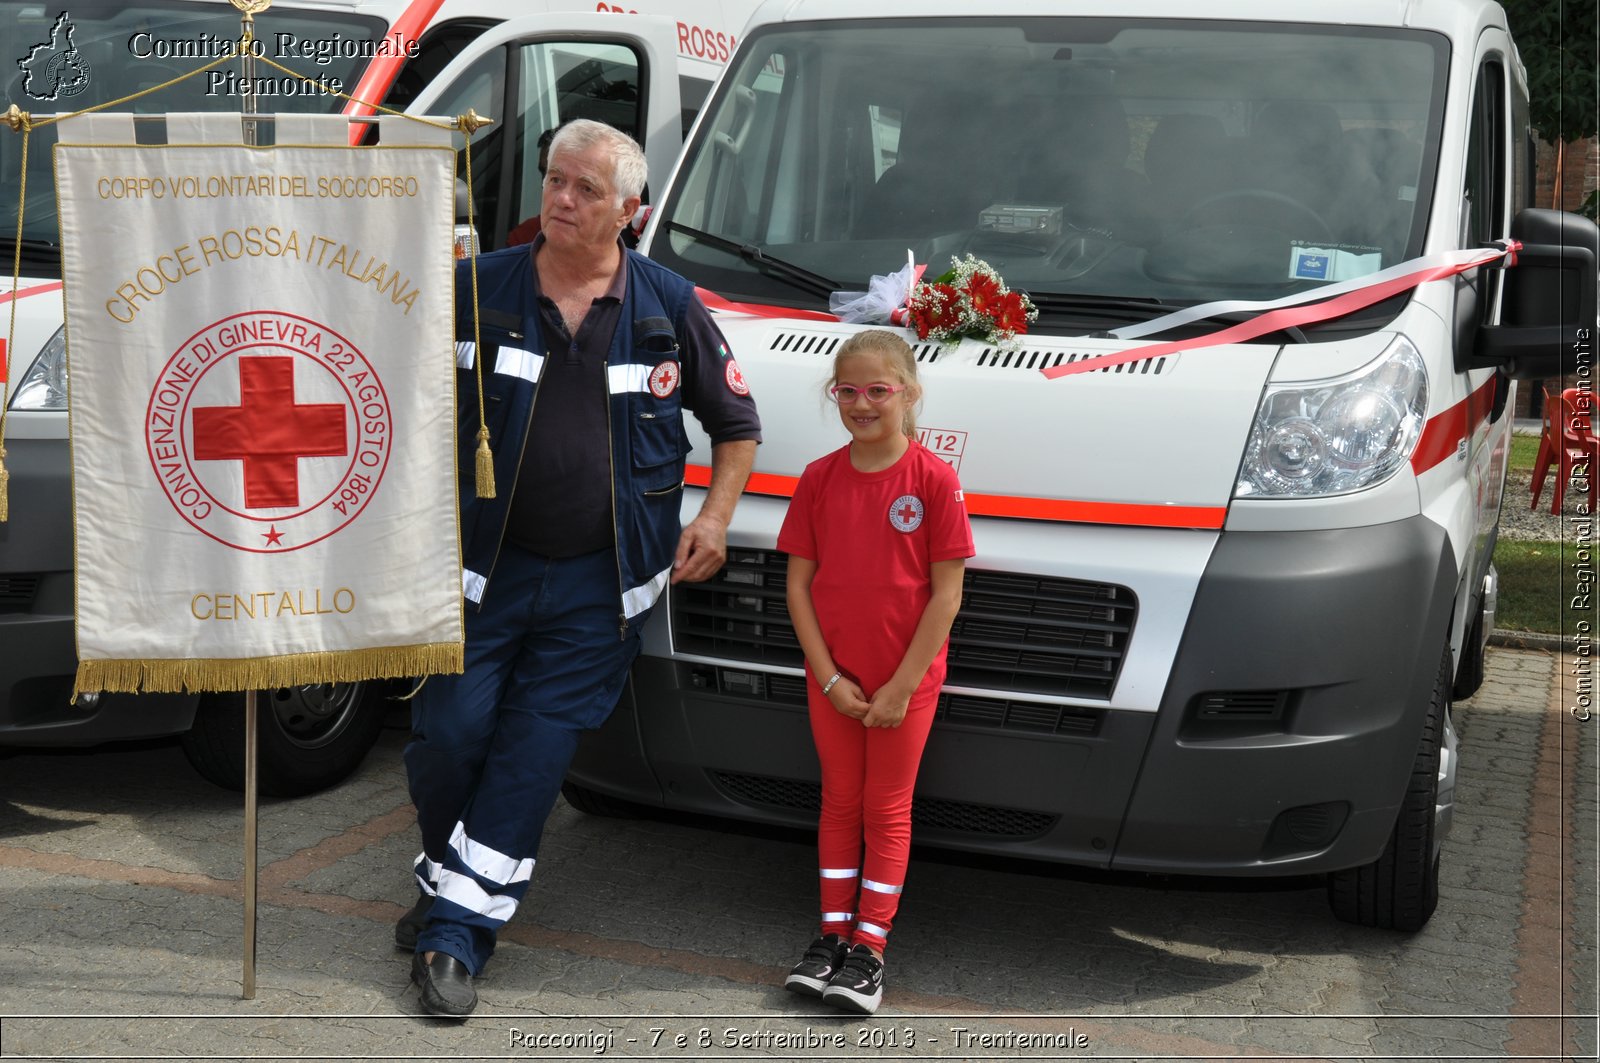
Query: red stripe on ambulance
(1065,510)
(1442,435)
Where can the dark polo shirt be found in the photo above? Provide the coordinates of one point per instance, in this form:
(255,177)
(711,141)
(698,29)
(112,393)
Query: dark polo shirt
(562,503)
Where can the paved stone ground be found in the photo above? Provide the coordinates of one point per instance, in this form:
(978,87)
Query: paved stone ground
(121,924)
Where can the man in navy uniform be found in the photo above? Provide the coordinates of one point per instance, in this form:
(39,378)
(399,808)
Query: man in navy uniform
(591,354)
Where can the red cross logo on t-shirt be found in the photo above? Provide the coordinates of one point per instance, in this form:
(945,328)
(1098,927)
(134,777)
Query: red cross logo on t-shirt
(269,432)
(906,513)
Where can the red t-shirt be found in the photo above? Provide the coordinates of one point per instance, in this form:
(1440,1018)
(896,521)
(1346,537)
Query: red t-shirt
(875,537)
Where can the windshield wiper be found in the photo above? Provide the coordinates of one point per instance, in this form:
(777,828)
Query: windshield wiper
(798,276)
(1138,308)
(1130,306)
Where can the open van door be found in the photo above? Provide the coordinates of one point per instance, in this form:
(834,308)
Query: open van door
(531,74)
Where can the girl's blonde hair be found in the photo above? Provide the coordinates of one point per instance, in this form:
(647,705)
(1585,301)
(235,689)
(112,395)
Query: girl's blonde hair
(902,362)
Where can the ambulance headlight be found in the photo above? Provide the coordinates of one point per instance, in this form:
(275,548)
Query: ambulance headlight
(1330,437)
(44,385)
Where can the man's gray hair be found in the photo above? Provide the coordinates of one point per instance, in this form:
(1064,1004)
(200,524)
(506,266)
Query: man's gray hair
(629,171)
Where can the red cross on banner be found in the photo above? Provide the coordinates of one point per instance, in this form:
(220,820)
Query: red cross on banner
(269,432)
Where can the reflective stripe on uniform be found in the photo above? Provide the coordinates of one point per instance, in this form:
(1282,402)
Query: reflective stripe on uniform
(839,872)
(872,928)
(640,598)
(837,917)
(460,889)
(472,585)
(490,863)
(630,377)
(427,873)
(880,887)
(514,361)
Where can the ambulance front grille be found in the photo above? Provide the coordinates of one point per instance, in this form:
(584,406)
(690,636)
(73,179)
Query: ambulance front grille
(927,813)
(824,344)
(1015,632)
(957,710)
(17,592)
(1025,358)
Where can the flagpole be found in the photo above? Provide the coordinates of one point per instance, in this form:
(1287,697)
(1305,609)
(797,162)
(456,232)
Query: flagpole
(248,9)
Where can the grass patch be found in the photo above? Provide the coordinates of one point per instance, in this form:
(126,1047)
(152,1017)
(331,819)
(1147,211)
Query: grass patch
(1524,449)
(1530,586)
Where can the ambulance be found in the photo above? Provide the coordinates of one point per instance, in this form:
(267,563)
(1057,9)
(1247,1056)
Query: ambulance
(644,66)
(1229,577)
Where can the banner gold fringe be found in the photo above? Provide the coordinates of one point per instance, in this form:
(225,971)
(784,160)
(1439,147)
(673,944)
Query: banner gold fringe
(128,676)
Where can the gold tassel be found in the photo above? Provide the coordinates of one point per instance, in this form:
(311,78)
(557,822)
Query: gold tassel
(5,503)
(485,464)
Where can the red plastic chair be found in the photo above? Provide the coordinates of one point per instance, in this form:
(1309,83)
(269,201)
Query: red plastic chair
(1567,441)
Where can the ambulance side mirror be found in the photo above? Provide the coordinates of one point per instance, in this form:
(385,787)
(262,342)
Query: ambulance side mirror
(1547,315)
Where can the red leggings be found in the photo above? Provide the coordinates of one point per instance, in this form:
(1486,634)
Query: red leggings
(864,832)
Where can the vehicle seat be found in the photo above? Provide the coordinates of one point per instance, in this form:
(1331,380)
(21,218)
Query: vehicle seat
(1079,149)
(1385,163)
(939,181)
(1186,161)
(1296,149)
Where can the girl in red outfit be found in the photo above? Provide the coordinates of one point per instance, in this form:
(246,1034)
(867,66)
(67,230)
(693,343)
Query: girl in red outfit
(877,537)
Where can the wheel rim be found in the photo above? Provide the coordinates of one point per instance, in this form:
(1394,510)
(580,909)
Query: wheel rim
(1444,799)
(314,716)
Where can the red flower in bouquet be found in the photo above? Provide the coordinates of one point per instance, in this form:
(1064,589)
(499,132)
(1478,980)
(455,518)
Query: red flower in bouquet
(969,300)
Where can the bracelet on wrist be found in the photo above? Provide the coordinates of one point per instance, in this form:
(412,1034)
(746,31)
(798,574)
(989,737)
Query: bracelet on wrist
(829,684)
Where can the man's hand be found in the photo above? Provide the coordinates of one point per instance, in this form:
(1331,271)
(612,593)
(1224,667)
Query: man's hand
(702,548)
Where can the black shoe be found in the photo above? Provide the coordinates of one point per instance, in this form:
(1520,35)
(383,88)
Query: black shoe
(810,976)
(858,984)
(445,984)
(411,924)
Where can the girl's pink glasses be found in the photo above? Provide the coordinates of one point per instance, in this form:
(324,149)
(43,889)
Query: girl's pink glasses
(877,394)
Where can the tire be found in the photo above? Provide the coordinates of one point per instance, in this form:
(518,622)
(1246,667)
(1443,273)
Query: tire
(309,737)
(591,803)
(1400,889)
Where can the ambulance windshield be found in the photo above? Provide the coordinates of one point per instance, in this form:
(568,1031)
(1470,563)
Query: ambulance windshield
(90,52)
(1159,162)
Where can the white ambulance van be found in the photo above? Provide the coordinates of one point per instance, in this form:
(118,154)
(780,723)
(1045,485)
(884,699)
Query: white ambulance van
(1222,598)
(645,69)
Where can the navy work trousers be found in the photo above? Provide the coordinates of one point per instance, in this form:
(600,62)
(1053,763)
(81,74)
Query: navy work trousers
(545,660)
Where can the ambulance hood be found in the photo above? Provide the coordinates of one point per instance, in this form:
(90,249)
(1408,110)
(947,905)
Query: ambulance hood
(1154,442)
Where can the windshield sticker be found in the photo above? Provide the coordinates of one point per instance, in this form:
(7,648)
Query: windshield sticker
(55,69)
(1333,262)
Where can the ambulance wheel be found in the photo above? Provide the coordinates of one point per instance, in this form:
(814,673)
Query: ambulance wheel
(309,737)
(592,803)
(1400,889)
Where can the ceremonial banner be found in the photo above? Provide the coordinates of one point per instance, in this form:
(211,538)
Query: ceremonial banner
(262,403)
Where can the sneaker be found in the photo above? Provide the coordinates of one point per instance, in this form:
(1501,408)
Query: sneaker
(858,983)
(810,976)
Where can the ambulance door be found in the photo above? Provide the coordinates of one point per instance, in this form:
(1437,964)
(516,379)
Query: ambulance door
(530,74)
(1489,198)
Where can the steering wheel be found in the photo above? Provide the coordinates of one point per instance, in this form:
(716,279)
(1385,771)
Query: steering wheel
(1260,207)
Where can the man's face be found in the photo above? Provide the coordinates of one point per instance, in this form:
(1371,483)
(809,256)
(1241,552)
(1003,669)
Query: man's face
(579,209)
